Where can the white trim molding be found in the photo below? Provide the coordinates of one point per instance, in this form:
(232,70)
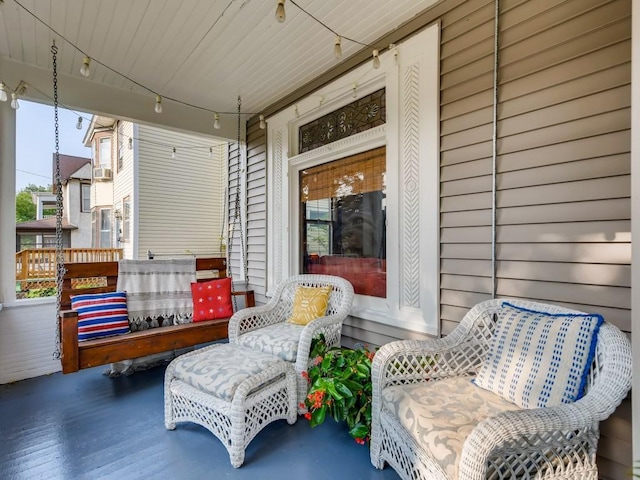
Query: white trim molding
(410,75)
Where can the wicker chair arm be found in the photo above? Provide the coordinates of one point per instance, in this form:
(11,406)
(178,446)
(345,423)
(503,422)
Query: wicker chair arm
(414,361)
(535,430)
(252,318)
(330,326)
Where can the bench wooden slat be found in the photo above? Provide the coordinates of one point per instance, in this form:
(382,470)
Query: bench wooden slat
(91,353)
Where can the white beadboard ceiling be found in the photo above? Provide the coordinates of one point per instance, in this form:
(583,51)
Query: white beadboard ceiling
(203,52)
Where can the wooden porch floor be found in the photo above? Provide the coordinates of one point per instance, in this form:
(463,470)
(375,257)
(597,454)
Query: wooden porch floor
(88,426)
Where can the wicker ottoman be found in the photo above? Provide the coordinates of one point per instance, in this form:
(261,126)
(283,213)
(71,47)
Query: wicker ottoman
(232,391)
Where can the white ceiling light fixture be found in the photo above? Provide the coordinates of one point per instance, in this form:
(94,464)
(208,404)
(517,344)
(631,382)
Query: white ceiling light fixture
(158,107)
(337,47)
(263,124)
(216,121)
(281,15)
(85,69)
(14,101)
(376,59)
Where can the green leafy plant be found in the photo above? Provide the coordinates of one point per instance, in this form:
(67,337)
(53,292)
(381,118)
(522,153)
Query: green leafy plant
(340,386)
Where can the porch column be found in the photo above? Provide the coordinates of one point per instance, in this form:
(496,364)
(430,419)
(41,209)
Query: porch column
(7,202)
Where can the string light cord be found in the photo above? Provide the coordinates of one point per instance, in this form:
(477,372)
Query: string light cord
(309,14)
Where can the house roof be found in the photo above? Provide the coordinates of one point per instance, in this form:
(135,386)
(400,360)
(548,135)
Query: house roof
(204,54)
(46,225)
(69,165)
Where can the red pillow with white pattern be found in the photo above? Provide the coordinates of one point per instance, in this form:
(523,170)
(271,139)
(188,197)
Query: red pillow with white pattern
(211,300)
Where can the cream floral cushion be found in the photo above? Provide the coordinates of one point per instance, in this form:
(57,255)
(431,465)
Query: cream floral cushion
(221,369)
(440,415)
(281,339)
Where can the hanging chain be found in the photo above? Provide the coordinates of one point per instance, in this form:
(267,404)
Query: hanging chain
(60,270)
(236,216)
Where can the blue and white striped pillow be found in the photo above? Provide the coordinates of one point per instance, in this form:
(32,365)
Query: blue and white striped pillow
(101,314)
(538,359)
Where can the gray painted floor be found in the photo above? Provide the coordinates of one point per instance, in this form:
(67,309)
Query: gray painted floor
(88,426)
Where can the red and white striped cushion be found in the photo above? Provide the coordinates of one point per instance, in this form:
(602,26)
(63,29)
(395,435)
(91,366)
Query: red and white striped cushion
(101,314)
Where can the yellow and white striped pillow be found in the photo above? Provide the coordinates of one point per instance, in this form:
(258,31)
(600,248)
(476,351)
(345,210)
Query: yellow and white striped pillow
(309,303)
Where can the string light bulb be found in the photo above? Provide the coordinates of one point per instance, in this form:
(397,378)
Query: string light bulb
(158,107)
(354,94)
(263,124)
(14,101)
(85,69)
(337,47)
(210,152)
(216,121)
(130,143)
(296,111)
(281,15)
(173,153)
(79,123)
(376,59)
(3,93)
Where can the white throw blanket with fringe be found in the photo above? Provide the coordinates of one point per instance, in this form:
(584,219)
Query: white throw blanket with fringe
(155,288)
(158,288)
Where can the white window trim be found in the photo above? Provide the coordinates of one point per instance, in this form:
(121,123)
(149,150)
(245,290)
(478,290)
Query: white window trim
(410,75)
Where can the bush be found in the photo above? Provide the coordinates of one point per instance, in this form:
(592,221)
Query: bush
(340,385)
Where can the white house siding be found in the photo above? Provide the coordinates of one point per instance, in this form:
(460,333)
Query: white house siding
(123,179)
(180,200)
(563,167)
(27,341)
(73,201)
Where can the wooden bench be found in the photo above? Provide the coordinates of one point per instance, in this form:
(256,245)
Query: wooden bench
(90,353)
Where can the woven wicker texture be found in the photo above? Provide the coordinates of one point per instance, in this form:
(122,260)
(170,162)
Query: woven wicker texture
(545,443)
(279,309)
(258,400)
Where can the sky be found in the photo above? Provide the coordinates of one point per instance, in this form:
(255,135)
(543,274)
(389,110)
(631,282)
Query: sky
(35,142)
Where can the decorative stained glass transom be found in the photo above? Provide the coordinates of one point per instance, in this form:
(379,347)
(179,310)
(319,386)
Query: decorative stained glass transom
(363,114)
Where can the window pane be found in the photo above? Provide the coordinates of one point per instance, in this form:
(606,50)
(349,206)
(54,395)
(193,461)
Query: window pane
(105,228)
(105,152)
(344,221)
(86,197)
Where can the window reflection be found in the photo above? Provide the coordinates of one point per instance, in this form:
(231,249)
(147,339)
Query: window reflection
(344,221)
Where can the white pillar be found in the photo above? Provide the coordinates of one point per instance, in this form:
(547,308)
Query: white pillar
(7,203)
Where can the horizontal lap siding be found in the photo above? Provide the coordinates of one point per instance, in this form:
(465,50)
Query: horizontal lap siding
(563,184)
(466,164)
(256,209)
(181,200)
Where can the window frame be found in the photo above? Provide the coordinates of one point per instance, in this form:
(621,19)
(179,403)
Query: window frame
(84,197)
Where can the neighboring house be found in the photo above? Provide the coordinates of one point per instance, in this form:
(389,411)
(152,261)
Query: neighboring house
(155,190)
(75,176)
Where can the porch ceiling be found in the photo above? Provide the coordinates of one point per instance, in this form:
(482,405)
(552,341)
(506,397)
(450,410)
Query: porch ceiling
(201,52)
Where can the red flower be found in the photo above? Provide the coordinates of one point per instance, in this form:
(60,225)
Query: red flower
(317,360)
(305,375)
(307,416)
(360,441)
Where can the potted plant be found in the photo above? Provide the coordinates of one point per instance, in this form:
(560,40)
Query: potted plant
(340,386)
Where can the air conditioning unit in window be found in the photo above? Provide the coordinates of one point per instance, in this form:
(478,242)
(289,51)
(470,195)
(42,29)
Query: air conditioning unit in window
(102,174)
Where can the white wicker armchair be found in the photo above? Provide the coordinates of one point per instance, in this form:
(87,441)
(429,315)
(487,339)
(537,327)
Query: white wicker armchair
(555,442)
(266,328)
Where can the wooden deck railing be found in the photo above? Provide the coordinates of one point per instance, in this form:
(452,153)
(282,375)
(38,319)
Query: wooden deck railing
(40,263)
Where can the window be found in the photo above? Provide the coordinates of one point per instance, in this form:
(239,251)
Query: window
(344,221)
(85,197)
(126,219)
(105,228)
(94,229)
(104,155)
